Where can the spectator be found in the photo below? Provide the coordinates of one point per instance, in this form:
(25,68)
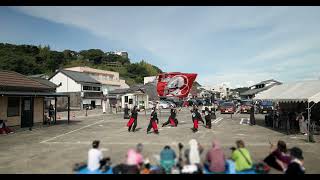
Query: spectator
(3,128)
(134,157)
(302,124)
(146,169)
(278,158)
(241,156)
(296,164)
(216,158)
(94,156)
(51,113)
(193,158)
(167,159)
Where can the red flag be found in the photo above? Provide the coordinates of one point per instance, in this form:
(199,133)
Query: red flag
(175,84)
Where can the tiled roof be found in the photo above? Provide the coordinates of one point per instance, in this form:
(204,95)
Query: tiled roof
(11,79)
(79,76)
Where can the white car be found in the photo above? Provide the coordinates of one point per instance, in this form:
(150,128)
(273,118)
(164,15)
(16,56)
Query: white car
(164,105)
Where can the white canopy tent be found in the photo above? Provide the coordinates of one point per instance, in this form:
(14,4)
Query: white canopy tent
(304,91)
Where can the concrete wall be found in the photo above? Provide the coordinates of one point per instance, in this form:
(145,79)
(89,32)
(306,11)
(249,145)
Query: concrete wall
(68,85)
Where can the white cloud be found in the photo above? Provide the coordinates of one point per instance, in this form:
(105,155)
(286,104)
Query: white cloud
(180,37)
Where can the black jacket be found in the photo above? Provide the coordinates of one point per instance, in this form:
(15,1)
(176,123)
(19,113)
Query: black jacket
(134,114)
(196,115)
(173,114)
(295,168)
(208,116)
(154,116)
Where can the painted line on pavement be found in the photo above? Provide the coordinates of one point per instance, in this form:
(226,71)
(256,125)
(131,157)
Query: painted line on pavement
(218,121)
(72,131)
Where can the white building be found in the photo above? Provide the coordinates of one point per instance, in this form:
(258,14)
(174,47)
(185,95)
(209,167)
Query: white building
(223,89)
(83,89)
(109,80)
(149,79)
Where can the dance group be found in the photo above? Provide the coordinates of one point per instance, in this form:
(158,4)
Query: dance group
(172,120)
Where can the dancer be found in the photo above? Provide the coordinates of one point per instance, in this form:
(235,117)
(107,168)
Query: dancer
(207,117)
(153,121)
(172,118)
(126,112)
(196,117)
(133,119)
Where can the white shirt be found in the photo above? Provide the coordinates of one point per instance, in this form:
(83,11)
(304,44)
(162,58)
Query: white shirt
(94,157)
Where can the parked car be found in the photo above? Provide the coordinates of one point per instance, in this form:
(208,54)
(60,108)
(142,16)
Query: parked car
(228,108)
(245,106)
(208,105)
(164,105)
(265,107)
(171,104)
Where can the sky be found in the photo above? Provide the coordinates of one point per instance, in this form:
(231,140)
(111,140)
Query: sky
(237,46)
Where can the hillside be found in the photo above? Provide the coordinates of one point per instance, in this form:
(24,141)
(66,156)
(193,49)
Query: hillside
(30,59)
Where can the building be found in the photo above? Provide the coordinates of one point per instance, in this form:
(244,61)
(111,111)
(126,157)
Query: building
(221,91)
(109,80)
(22,99)
(259,87)
(139,95)
(84,90)
(122,53)
(150,79)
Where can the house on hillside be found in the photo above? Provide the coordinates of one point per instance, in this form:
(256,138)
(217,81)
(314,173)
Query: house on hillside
(22,99)
(84,90)
(259,87)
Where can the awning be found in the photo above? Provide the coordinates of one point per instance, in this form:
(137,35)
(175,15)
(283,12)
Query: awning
(293,92)
(40,94)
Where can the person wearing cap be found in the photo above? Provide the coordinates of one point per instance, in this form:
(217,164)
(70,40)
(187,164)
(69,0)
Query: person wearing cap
(153,121)
(94,156)
(296,164)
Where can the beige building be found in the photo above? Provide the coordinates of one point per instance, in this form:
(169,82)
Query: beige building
(22,99)
(109,80)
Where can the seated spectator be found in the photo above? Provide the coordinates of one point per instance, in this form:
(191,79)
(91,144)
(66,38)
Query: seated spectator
(278,158)
(241,157)
(4,129)
(132,165)
(192,155)
(94,157)
(216,159)
(167,159)
(134,157)
(146,168)
(296,164)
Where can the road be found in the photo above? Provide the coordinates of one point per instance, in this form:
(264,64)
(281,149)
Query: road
(55,149)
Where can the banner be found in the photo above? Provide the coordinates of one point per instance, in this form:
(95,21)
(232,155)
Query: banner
(175,84)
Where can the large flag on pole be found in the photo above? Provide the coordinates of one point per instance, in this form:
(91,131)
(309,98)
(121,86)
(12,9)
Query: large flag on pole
(175,84)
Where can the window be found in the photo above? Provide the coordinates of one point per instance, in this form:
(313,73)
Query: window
(126,99)
(96,88)
(87,88)
(13,106)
